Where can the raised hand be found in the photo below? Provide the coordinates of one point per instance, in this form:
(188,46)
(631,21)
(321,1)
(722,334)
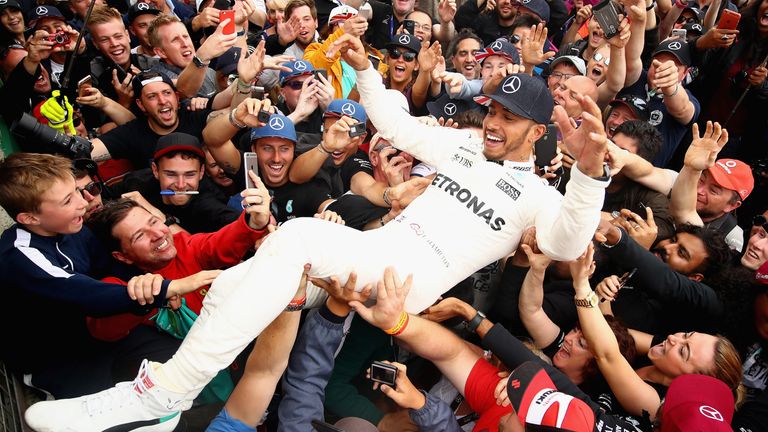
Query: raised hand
(337,138)
(341,297)
(390,301)
(582,15)
(287,31)
(123,88)
(428,56)
(404,394)
(643,231)
(352,52)
(448,308)
(757,75)
(587,143)
(248,110)
(533,46)
(446,10)
(330,216)
(537,260)
(355,26)
(256,202)
(702,153)
(665,75)
(583,266)
(620,40)
(216,44)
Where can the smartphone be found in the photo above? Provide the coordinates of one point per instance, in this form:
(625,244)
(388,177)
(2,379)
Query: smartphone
(121,73)
(230,27)
(257,92)
(729,20)
(681,34)
(250,164)
(321,426)
(409,26)
(606,15)
(383,373)
(318,72)
(356,130)
(545,148)
(83,84)
(623,280)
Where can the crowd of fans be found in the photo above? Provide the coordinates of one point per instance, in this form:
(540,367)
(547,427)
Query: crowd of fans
(156,146)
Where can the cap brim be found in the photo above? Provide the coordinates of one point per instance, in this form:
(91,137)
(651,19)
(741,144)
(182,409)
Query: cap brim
(292,76)
(722,179)
(674,53)
(510,106)
(631,108)
(196,150)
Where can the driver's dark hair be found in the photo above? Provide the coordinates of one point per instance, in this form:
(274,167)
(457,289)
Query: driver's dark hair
(103,220)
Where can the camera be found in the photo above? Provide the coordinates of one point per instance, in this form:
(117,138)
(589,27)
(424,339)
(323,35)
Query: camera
(37,133)
(356,130)
(383,373)
(59,39)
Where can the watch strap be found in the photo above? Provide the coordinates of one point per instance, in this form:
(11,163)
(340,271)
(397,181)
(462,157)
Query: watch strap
(474,323)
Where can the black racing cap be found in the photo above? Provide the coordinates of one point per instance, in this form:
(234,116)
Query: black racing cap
(148,77)
(522,95)
(637,105)
(87,165)
(446,107)
(45,11)
(499,47)
(678,48)
(5,4)
(538,7)
(141,9)
(178,141)
(694,28)
(406,41)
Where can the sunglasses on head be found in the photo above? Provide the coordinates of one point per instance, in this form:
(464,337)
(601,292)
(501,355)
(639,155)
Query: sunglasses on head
(93,188)
(396,53)
(760,221)
(295,85)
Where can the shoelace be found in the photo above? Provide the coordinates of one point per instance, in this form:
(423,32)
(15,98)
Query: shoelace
(125,393)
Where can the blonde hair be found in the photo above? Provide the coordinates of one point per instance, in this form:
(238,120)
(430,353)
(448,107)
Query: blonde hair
(727,366)
(102,15)
(24,178)
(154,28)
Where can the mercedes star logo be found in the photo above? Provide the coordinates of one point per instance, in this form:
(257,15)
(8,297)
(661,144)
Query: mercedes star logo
(276,123)
(41,10)
(142,6)
(300,66)
(511,85)
(496,46)
(348,109)
(696,27)
(404,39)
(674,46)
(709,412)
(2,2)
(449,109)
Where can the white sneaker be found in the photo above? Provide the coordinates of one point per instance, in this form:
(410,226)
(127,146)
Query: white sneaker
(140,405)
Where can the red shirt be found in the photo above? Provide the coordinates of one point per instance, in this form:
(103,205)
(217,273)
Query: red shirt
(478,392)
(194,253)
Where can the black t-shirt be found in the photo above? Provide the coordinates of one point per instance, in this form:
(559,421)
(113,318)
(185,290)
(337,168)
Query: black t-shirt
(356,163)
(382,26)
(136,141)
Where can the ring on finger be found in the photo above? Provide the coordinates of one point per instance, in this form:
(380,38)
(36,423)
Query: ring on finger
(636,226)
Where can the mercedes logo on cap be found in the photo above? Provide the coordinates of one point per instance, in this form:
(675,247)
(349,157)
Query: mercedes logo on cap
(348,109)
(142,6)
(709,412)
(300,66)
(674,46)
(697,27)
(404,39)
(276,123)
(526,1)
(511,85)
(449,109)
(41,10)
(2,2)
(496,46)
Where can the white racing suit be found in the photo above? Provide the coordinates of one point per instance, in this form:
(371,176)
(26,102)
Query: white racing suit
(473,213)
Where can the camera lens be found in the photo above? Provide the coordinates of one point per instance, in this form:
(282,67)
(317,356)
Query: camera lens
(60,39)
(27,126)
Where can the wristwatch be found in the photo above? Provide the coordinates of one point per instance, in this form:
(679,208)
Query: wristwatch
(606,173)
(589,301)
(171,220)
(199,63)
(474,323)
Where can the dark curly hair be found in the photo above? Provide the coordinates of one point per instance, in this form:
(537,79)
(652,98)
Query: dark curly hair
(647,138)
(718,252)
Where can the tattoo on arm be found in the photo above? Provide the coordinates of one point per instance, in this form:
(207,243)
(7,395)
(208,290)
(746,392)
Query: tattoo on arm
(215,114)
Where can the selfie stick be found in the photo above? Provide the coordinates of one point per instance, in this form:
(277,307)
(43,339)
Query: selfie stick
(743,95)
(71,59)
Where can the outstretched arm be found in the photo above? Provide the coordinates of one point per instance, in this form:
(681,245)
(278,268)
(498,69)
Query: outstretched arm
(539,325)
(432,145)
(432,341)
(701,155)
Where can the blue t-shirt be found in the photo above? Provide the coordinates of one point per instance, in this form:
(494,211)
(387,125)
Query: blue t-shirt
(671,130)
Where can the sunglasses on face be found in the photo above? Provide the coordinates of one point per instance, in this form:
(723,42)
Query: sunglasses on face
(295,85)
(93,188)
(683,20)
(598,57)
(760,221)
(408,56)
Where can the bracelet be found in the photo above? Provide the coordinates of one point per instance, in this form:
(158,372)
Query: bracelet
(400,326)
(241,33)
(322,149)
(653,5)
(681,4)
(677,89)
(296,305)
(386,197)
(234,121)
(246,88)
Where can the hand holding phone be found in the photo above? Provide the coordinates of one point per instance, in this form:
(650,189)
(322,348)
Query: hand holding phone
(356,130)
(384,373)
(606,15)
(545,148)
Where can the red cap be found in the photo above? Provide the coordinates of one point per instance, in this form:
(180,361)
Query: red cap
(697,403)
(733,175)
(537,402)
